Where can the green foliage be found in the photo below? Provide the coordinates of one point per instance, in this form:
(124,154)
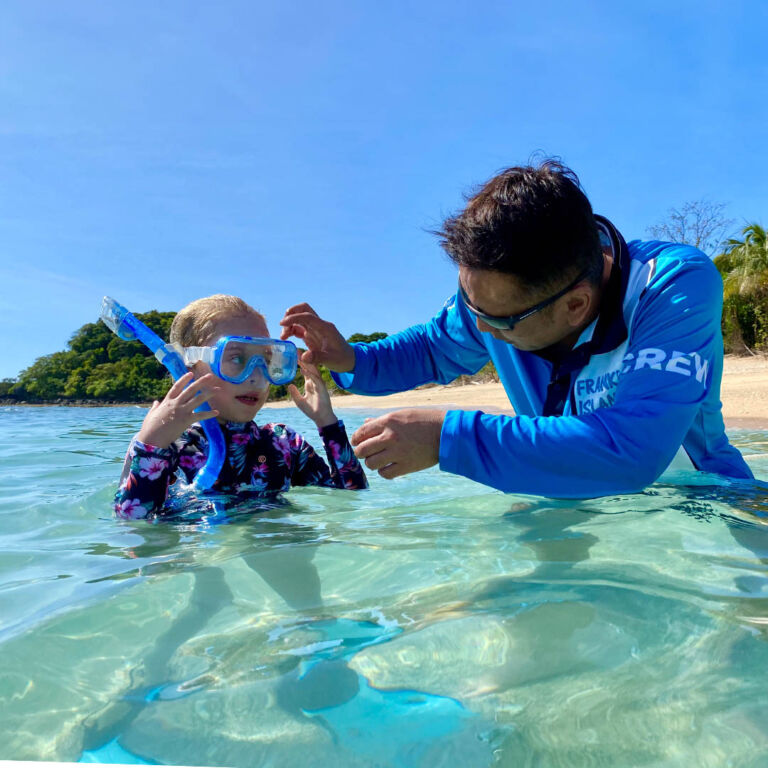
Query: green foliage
(96,366)
(366,338)
(6,385)
(743,265)
(487,373)
(745,262)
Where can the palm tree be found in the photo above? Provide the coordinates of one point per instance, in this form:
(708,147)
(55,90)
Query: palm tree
(744,263)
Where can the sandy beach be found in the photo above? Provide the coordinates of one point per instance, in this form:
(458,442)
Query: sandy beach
(744,395)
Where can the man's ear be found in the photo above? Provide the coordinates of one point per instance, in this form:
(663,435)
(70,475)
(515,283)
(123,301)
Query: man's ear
(580,303)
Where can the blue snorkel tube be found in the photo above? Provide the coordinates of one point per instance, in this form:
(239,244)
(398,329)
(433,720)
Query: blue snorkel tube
(121,322)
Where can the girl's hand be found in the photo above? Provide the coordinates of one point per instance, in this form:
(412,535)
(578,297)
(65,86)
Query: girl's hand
(167,420)
(315,402)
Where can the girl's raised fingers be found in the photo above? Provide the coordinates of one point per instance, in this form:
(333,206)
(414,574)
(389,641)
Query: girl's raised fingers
(207,383)
(309,371)
(199,398)
(293,391)
(178,386)
(203,415)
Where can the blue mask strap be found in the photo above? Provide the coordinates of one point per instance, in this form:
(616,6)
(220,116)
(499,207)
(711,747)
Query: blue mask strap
(121,322)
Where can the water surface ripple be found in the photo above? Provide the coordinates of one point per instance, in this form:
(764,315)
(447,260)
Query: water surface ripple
(426,622)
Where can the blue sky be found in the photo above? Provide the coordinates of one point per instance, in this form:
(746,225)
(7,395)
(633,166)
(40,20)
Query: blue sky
(159,152)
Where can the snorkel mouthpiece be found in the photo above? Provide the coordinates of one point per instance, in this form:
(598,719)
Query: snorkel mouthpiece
(113,316)
(125,325)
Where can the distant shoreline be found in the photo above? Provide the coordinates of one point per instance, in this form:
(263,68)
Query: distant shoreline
(744,394)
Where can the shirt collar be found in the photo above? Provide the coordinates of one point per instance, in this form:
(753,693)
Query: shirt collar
(609,329)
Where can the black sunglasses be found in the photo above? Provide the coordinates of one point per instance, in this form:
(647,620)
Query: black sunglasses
(510,321)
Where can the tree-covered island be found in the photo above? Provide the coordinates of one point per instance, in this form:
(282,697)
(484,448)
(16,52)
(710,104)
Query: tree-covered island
(99,368)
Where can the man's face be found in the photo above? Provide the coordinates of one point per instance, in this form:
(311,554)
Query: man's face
(496,293)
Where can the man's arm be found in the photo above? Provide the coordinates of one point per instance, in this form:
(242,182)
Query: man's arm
(446,347)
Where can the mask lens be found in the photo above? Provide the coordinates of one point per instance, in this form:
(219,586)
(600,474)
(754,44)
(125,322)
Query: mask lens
(279,366)
(238,359)
(242,359)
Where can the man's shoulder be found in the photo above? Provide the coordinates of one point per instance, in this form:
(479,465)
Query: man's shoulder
(645,251)
(668,263)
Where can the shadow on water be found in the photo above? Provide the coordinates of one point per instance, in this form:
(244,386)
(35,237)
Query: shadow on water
(744,509)
(281,554)
(314,682)
(550,528)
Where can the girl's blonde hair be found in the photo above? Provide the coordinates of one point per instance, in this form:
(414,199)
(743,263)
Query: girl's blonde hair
(194,324)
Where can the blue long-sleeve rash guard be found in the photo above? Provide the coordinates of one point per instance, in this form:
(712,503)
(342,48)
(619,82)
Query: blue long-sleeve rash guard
(651,385)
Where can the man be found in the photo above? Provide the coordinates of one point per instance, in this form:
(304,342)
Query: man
(611,354)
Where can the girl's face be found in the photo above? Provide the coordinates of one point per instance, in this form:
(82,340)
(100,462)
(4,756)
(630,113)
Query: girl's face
(237,402)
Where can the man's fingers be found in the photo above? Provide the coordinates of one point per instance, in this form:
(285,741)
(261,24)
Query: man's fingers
(379,460)
(371,446)
(370,428)
(293,330)
(296,308)
(391,471)
(306,320)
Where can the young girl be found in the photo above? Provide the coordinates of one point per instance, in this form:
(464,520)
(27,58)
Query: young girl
(265,459)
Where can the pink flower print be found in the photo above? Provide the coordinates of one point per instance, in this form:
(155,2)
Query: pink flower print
(130,509)
(152,467)
(192,461)
(284,446)
(241,438)
(259,472)
(335,450)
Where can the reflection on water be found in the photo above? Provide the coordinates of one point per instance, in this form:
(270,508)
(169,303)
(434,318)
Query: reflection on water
(425,622)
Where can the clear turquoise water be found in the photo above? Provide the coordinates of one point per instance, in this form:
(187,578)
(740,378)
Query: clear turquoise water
(426,622)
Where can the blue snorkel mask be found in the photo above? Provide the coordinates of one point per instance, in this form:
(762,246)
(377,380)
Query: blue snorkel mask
(240,358)
(121,322)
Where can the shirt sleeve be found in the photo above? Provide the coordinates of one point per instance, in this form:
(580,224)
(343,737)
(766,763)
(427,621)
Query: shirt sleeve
(343,469)
(669,367)
(446,347)
(147,472)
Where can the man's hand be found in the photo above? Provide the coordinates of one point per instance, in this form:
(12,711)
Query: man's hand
(325,345)
(401,442)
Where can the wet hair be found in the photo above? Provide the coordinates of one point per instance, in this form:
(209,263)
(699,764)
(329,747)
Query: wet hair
(533,222)
(193,325)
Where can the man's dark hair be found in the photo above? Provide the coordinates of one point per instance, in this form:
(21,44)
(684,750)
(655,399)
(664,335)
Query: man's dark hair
(533,222)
